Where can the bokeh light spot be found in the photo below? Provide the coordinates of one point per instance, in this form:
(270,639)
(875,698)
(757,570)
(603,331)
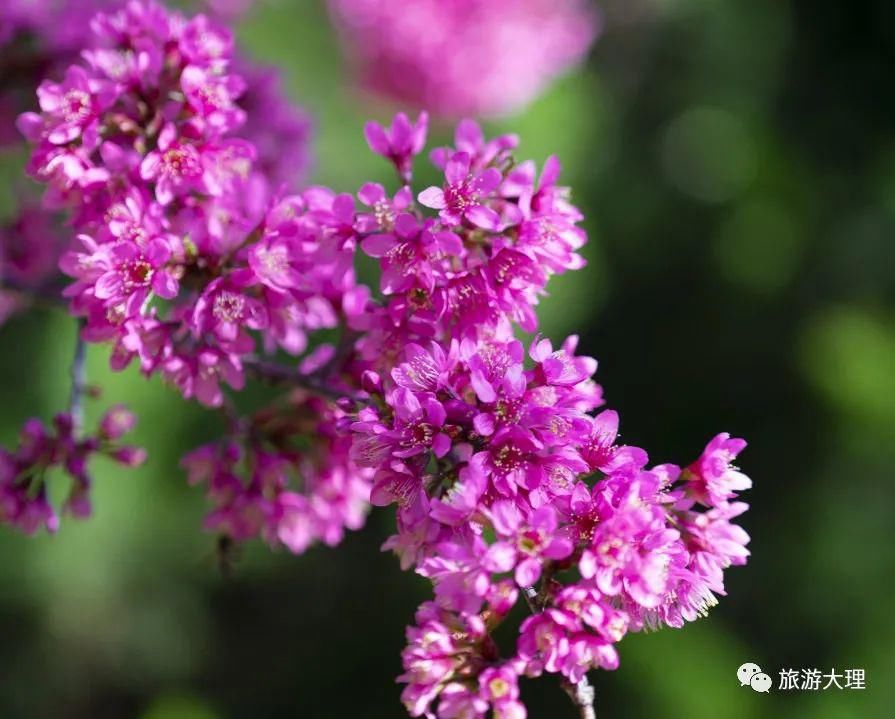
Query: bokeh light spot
(759,247)
(849,355)
(179,707)
(709,154)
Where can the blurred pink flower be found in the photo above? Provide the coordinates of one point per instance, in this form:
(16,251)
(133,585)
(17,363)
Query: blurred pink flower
(457,57)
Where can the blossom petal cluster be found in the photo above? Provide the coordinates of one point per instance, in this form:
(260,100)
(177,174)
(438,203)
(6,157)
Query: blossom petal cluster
(192,252)
(532,489)
(505,469)
(466,56)
(38,37)
(188,257)
(30,246)
(44,38)
(42,451)
(285,477)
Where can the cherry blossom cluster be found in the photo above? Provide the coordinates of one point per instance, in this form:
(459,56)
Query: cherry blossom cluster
(506,480)
(284,474)
(186,249)
(43,38)
(194,255)
(506,471)
(30,246)
(41,452)
(36,37)
(464,56)
(40,37)
(525,492)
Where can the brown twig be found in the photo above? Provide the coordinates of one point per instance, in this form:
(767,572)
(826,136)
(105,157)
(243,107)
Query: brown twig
(279,374)
(78,375)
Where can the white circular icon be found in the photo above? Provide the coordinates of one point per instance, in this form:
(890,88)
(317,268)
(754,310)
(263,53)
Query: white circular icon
(746,672)
(761,682)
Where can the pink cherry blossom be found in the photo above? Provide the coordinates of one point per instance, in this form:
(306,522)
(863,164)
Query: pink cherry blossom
(463,194)
(461,58)
(200,260)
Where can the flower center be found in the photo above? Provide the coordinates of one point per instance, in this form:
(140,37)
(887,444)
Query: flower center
(506,268)
(507,410)
(274,260)
(75,105)
(508,458)
(419,433)
(135,233)
(385,216)
(418,298)
(404,490)
(402,256)
(229,307)
(136,273)
(609,551)
(530,541)
(212,96)
(459,197)
(499,688)
(179,163)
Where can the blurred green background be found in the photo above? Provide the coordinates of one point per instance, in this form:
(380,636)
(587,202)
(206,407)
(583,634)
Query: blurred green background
(736,163)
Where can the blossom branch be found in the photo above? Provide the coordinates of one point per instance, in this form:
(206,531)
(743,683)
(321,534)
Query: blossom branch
(428,402)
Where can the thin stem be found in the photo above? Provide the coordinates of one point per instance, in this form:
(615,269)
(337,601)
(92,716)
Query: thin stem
(78,382)
(279,374)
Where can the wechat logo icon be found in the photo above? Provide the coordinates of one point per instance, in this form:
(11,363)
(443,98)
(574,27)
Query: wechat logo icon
(750,674)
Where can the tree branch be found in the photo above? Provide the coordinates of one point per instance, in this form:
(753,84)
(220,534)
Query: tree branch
(279,374)
(582,695)
(78,375)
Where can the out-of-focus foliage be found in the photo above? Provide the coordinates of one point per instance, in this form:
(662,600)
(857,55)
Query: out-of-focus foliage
(736,161)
